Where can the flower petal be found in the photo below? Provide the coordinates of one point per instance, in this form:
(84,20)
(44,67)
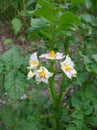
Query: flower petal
(33,62)
(30,75)
(59,55)
(68,67)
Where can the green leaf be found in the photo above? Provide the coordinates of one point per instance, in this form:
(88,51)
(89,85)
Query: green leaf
(93,68)
(65,115)
(15,84)
(76,100)
(31,123)
(88,3)
(71,128)
(45,4)
(77,114)
(89,19)
(78,2)
(17,25)
(12,58)
(38,23)
(7,41)
(6,116)
(68,20)
(26,125)
(92,121)
(80,78)
(78,123)
(86,60)
(87,108)
(95,57)
(47,11)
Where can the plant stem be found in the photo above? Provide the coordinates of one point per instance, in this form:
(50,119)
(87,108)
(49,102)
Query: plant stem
(55,98)
(52,91)
(87,82)
(47,116)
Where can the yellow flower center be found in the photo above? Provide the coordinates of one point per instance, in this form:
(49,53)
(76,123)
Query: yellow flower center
(52,54)
(42,73)
(33,62)
(67,68)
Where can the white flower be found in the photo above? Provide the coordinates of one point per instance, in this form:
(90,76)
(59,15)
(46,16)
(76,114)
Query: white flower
(33,62)
(24,96)
(68,67)
(53,55)
(42,75)
(30,75)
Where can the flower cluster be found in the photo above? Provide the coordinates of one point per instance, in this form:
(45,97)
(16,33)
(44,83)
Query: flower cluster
(42,74)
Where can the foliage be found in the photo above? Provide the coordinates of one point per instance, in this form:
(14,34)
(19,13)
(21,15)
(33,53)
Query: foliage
(68,26)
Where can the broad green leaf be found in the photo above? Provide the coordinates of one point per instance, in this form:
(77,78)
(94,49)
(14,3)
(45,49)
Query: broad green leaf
(45,4)
(15,84)
(17,25)
(71,128)
(78,123)
(47,11)
(12,58)
(7,41)
(38,23)
(88,3)
(77,114)
(65,116)
(78,2)
(30,124)
(86,60)
(76,100)
(89,18)
(93,68)
(68,20)
(95,57)
(92,120)
(87,108)
(6,116)
(80,78)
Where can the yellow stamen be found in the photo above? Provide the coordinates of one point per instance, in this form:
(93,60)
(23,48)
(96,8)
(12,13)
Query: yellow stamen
(67,68)
(33,62)
(52,54)
(42,73)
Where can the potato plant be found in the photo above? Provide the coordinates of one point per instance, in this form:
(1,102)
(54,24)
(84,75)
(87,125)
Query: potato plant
(53,86)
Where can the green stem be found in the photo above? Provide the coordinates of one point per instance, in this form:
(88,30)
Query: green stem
(47,116)
(57,123)
(52,91)
(55,98)
(61,91)
(56,103)
(87,82)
